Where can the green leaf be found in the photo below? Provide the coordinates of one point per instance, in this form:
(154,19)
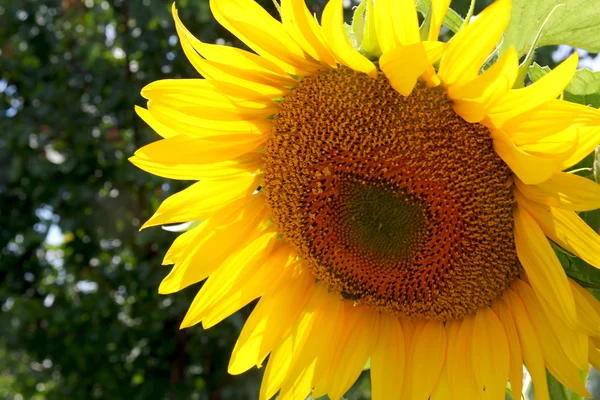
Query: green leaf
(350,34)
(575,23)
(536,71)
(509,394)
(363,28)
(358,22)
(524,67)
(583,89)
(452,20)
(583,273)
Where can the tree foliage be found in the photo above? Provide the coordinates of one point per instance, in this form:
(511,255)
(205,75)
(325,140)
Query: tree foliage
(81,316)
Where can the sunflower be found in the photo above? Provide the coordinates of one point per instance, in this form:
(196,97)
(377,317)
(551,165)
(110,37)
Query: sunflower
(396,205)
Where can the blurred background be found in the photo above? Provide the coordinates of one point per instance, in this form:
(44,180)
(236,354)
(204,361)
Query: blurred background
(80,316)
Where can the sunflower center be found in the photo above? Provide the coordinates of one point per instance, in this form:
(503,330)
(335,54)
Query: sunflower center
(393,201)
(383,223)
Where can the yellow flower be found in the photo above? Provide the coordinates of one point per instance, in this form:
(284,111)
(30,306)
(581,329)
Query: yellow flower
(396,211)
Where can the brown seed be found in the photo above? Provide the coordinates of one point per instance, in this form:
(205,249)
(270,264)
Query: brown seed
(393,201)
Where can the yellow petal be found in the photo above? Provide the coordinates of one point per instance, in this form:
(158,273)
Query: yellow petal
(426,360)
(471,46)
(473,99)
(183,87)
(298,381)
(183,149)
(205,101)
(214,109)
(214,241)
(273,315)
(515,373)
(239,167)
(200,200)
(518,101)
(439,8)
(384,25)
(163,130)
(199,127)
(230,80)
(404,20)
(202,92)
(179,245)
(235,284)
(387,360)
(408,328)
(279,363)
(564,190)
(231,85)
(588,140)
(330,350)
(353,344)
(530,344)
(559,146)
(548,119)
(232,65)
(396,23)
(301,386)
(572,341)
(461,377)
(249,22)
(250,254)
(490,354)
(558,354)
(542,266)
(231,56)
(280,360)
(441,391)
(273,84)
(354,348)
(531,169)
(319,346)
(282,371)
(403,65)
(332,21)
(587,310)
(565,228)
(305,30)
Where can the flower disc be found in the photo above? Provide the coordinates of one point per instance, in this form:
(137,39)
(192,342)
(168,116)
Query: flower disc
(393,201)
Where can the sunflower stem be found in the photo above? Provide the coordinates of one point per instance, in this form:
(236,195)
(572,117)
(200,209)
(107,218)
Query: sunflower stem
(469,14)
(277,6)
(574,171)
(424,30)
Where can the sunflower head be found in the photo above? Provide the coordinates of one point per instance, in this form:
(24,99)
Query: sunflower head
(396,202)
(384,196)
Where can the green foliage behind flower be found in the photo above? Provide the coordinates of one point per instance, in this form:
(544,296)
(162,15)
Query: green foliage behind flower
(81,317)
